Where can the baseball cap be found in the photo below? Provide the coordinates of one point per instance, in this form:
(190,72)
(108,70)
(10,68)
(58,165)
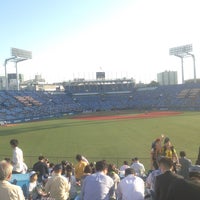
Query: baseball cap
(32,173)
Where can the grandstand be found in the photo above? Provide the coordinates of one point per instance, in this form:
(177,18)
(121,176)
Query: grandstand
(92,96)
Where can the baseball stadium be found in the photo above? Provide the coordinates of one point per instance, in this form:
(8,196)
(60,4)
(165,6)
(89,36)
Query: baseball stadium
(103,119)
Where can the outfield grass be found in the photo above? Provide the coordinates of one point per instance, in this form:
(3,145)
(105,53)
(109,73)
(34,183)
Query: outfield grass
(102,139)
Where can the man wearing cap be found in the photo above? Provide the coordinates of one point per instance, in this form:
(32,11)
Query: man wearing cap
(35,189)
(131,187)
(8,191)
(57,186)
(184,189)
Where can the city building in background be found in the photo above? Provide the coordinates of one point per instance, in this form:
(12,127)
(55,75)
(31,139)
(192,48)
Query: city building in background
(12,80)
(2,83)
(167,78)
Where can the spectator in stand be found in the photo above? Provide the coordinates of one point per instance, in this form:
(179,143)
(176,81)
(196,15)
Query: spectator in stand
(79,168)
(87,172)
(138,168)
(169,151)
(50,169)
(64,163)
(164,180)
(98,186)
(150,182)
(35,189)
(194,174)
(8,191)
(58,186)
(198,158)
(185,164)
(17,158)
(123,168)
(131,187)
(41,168)
(184,189)
(156,152)
(113,173)
(72,181)
(92,165)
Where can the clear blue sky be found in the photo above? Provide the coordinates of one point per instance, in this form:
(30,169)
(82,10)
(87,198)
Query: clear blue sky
(72,38)
(34,24)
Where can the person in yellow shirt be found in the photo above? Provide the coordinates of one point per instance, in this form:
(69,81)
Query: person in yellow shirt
(80,166)
(169,151)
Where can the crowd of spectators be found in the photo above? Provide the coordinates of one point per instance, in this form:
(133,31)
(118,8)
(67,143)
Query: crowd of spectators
(172,177)
(46,104)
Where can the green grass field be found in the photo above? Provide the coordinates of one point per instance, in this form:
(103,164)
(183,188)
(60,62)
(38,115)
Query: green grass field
(114,140)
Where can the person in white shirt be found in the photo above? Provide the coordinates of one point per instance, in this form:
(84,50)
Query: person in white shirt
(123,168)
(131,187)
(17,158)
(138,168)
(98,186)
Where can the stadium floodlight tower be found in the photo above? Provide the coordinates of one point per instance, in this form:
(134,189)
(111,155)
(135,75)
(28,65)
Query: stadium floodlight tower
(182,52)
(18,55)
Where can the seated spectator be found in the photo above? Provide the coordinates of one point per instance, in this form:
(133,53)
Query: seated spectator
(198,158)
(41,168)
(131,187)
(72,181)
(150,182)
(64,163)
(50,169)
(194,173)
(122,169)
(35,189)
(98,185)
(138,168)
(92,165)
(164,180)
(186,189)
(87,171)
(79,168)
(57,186)
(8,191)
(185,164)
(113,173)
